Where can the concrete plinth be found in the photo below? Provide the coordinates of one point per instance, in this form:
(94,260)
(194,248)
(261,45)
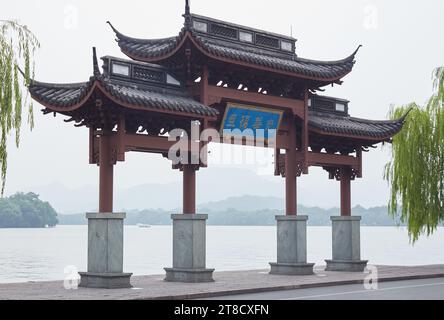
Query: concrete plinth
(105,252)
(346,245)
(291,247)
(189,249)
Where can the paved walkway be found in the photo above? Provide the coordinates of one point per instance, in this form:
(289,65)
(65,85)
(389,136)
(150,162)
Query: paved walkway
(226,283)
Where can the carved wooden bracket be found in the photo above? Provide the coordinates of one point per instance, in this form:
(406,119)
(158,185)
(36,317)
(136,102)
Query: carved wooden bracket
(189,161)
(279,164)
(335,172)
(279,168)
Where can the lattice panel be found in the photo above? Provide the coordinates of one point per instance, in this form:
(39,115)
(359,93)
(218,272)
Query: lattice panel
(148,75)
(267,41)
(322,104)
(224,31)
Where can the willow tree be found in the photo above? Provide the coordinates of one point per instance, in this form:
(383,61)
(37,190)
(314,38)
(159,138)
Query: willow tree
(416,171)
(17,46)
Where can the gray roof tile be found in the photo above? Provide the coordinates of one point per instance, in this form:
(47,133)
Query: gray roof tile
(344,124)
(150,49)
(163,99)
(66,95)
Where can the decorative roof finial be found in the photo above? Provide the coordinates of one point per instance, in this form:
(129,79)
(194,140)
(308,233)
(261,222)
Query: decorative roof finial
(187,7)
(95,63)
(404,117)
(356,51)
(187,15)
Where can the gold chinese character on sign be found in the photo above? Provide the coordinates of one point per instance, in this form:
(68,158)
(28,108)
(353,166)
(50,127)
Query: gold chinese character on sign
(245,119)
(270,124)
(257,123)
(231,121)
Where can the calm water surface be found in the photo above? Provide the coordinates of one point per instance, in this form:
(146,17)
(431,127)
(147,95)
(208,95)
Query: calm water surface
(42,254)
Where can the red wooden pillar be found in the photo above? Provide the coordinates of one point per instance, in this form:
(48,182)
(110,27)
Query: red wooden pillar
(345,178)
(290,172)
(204,85)
(189,170)
(189,189)
(106,173)
(305,133)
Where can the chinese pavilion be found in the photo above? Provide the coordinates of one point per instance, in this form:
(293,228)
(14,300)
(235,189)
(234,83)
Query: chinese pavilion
(216,76)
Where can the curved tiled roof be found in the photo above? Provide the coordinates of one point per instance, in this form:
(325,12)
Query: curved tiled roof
(305,67)
(154,50)
(64,96)
(161,99)
(146,48)
(346,125)
(59,95)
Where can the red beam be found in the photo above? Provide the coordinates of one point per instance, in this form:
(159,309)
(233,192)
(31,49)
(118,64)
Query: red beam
(145,143)
(297,106)
(281,142)
(325,159)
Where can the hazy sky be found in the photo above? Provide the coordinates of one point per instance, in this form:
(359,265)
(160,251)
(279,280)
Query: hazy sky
(402,45)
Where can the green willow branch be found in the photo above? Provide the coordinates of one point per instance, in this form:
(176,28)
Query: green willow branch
(17,46)
(416,170)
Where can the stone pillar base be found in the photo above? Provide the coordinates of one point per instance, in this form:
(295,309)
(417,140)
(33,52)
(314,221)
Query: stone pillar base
(105,280)
(291,247)
(343,265)
(189,251)
(301,269)
(189,275)
(105,252)
(346,245)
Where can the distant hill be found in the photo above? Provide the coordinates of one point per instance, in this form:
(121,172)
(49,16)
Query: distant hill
(245,189)
(212,185)
(26,211)
(243,203)
(248,210)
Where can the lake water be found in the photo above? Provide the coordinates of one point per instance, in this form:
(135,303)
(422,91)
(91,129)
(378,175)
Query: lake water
(43,254)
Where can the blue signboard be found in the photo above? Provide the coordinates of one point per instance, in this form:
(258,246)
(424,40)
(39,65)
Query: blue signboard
(249,121)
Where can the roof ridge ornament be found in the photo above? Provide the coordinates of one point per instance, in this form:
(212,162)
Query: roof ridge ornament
(118,34)
(357,50)
(31,80)
(187,7)
(404,117)
(350,58)
(95,64)
(187,15)
(21,71)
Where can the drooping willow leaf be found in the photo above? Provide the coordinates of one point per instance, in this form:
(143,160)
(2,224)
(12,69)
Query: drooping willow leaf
(17,47)
(416,170)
